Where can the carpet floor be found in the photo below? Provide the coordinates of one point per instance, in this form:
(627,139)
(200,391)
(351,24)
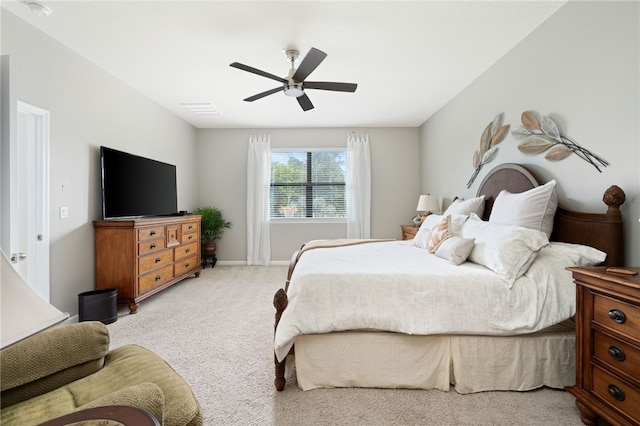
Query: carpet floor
(216,331)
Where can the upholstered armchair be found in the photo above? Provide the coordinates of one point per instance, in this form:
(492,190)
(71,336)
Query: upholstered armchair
(70,368)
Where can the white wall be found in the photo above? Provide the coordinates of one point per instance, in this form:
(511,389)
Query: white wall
(581,67)
(89,108)
(223,181)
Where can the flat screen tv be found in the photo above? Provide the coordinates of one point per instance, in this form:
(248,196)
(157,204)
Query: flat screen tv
(134,186)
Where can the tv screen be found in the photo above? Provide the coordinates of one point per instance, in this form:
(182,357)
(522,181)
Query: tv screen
(134,186)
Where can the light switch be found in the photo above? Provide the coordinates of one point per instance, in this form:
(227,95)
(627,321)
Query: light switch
(64,212)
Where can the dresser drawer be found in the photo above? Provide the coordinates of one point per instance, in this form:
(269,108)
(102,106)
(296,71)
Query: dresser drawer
(150,232)
(186,250)
(155,279)
(154,260)
(188,264)
(189,227)
(617,315)
(616,353)
(190,237)
(151,246)
(616,392)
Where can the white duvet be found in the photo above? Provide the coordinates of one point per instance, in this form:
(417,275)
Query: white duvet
(396,286)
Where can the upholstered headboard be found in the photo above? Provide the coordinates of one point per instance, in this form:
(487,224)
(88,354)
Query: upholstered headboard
(600,230)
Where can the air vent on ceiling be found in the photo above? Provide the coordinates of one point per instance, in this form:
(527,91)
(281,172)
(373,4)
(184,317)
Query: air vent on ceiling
(201,108)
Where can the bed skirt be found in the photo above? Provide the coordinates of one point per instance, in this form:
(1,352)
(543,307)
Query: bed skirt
(471,363)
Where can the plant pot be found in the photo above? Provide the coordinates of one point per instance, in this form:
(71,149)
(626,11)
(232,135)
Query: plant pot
(208,249)
(208,254)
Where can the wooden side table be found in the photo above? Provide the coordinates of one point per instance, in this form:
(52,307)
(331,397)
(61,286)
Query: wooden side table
(607,345)
(409,231)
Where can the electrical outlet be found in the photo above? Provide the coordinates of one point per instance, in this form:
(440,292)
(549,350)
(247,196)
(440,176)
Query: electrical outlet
(64,212)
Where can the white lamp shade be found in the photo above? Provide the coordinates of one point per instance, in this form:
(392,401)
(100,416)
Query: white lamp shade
(428,203)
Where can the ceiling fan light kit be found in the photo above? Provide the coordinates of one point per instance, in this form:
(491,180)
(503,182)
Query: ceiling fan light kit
(294,85)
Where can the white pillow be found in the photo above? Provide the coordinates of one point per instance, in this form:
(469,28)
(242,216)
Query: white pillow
(507,250)
(533,209)
(466,207)
(455,249)
(575,254)
(422,236)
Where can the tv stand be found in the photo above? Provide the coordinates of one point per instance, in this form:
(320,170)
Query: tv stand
(141,257)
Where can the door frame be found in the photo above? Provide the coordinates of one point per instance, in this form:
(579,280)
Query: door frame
(38,197)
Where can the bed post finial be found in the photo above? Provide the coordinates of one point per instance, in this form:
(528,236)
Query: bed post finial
(614,197)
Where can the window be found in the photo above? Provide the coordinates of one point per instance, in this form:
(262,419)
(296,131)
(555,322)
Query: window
(308,184)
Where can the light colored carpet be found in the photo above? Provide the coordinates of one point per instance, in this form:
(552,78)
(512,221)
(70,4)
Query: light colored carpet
(216,331)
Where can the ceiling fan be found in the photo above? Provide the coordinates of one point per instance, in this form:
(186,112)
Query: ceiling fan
(294,85)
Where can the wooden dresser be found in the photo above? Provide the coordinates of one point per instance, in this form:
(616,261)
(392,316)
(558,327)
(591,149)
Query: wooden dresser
(607,345)
(141,257)
(409,231)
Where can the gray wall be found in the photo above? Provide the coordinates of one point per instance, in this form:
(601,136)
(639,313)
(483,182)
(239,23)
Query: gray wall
(223,182)
(89,108)
(581,67)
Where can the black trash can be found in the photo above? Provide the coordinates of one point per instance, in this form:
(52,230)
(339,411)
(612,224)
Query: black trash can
(99,305)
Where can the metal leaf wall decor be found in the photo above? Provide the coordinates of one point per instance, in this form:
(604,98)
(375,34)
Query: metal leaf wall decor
(545,136)
(492,135)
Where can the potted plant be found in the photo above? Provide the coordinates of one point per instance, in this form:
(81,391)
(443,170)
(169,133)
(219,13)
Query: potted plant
(212,228)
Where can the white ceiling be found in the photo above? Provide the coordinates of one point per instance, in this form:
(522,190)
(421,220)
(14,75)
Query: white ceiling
(409,58)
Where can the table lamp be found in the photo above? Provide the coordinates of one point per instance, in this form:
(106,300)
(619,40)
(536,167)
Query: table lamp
(427,204)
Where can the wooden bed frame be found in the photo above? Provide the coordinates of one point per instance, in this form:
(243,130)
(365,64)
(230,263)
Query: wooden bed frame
(599,230)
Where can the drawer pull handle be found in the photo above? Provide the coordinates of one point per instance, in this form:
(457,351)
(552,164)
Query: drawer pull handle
(616,353)
(158,277)
(157,260)
(186,265)
(153,245)
(190,227)
(617,316)
(616,392)
(190,236)
(153,232)
(187,250)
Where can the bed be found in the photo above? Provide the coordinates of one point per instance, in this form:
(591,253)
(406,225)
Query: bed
(416,320)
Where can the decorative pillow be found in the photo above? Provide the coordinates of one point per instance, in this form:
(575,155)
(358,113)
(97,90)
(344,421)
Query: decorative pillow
(533,209)
(466,207)
(438,234)
(507,250)
(455,249)
(422,236)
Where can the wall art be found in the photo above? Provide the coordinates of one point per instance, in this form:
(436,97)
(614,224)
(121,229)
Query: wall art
(492,135)
(544,135)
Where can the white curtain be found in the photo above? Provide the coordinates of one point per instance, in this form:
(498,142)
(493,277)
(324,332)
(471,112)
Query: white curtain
(358,183)
(258,181)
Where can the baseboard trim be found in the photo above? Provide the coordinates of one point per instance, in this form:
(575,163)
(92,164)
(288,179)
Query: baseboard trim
(241,263)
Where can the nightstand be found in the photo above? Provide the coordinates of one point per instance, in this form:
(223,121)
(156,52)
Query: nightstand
(607,345)
(409,231)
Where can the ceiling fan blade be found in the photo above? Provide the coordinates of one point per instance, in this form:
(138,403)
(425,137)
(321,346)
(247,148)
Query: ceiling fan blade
(257,71)
(305,102)
(309,63)
(263,94)
(329,85)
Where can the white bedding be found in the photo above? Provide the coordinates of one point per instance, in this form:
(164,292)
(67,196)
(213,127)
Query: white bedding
(395,286)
